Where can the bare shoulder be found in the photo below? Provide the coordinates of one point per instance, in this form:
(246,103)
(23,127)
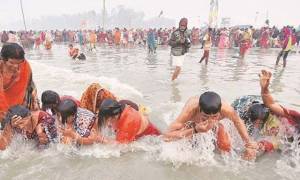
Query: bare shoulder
(226,109)
(188,110)
(192,103)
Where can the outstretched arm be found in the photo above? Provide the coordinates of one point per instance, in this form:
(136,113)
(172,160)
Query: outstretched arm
(229,112)
(250,146)
(268,100)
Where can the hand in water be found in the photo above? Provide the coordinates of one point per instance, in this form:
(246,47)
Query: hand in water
(249,154)
(250,151)
(265,77)
(68,132)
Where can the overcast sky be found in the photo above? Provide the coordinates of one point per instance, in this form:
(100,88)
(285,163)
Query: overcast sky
(280,12)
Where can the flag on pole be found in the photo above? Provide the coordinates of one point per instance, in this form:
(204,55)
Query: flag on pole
(213,13)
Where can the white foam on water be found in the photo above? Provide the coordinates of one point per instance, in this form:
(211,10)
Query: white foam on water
(288,165)
(67,82)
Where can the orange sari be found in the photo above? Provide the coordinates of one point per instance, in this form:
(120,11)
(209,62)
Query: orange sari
(20,92)
(93,96)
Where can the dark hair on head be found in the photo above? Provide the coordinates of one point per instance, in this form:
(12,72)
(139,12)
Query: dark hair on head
(18,110)
(67,108)
(258,111)
(210,29)
(129,103)
(50,99)
(70,45)
(109,108)
(12,51)
(210,102)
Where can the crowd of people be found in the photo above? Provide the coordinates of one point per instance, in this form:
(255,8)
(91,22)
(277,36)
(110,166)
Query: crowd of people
(99,116)
(265,37)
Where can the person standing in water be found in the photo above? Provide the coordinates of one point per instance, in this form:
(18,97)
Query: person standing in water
(245,43)
(288,43)
(207,42)
(180,43)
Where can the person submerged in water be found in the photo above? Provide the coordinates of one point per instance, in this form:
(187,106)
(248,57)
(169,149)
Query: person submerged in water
(36,125)
(77,124)
(268,122)
(95,94)
(271,121)
(75,53)
(200,115)
(126,122)
(50,101)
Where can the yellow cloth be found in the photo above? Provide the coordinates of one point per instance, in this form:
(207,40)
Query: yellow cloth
(207,44)
(289,45)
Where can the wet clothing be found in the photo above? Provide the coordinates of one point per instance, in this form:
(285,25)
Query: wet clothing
(150,130)
(84,122)
(129,124)
(49,128)
(93,96)
(275,127)
(244,46)
(223,139)
(18,92)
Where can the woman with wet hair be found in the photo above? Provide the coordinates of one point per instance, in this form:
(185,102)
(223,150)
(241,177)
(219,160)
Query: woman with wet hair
(16,84)
(127,123)
(78,124)
(36,125)
(50,101)
(267,121)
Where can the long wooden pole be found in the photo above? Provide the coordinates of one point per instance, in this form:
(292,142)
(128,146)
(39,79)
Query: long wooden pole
(21,3)
(103,15)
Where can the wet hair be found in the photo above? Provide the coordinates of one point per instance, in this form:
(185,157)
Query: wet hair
(12,51)
(210,102)
(49,99)
(18,110)
(70,45)
(67,108)
(109,108)
(130,103)
(258,111)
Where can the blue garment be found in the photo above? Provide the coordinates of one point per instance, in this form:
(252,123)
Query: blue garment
(80,38)
(151,40)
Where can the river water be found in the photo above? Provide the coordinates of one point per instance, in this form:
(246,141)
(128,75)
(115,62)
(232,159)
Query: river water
(145,79)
